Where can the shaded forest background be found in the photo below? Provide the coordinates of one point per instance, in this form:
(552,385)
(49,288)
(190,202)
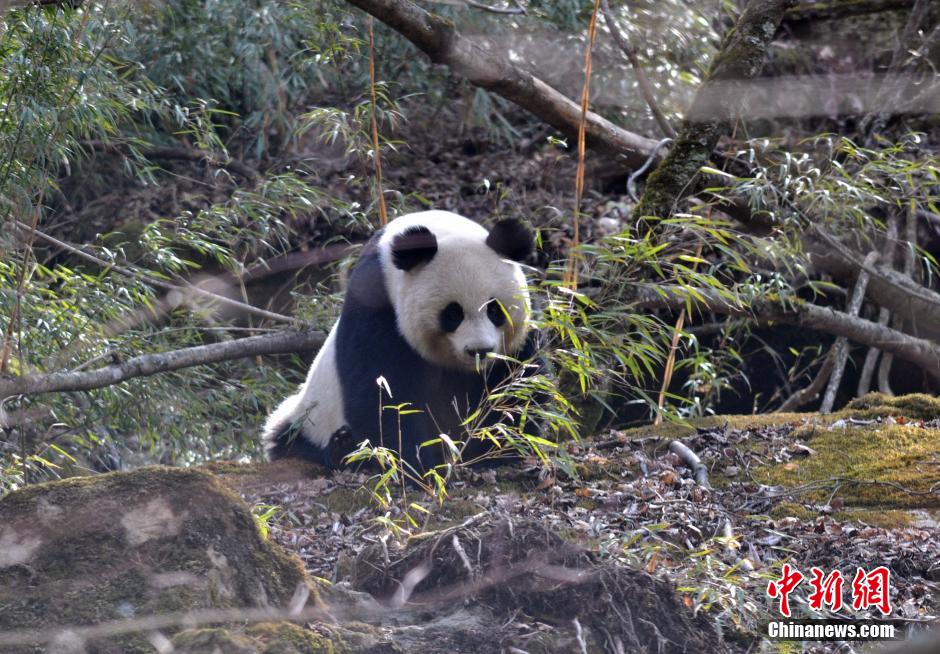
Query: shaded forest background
(183,174)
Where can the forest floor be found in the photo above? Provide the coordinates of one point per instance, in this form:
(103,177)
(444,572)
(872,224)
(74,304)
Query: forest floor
(852,490)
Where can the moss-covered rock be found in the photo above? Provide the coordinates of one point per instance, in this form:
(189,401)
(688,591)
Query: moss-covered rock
(89,550)
(210,641)
(916,406)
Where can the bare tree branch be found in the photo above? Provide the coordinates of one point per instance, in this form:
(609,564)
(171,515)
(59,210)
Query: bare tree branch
(887,288)
(841,347)
(439,39)
(152,364)
(919,351)
(156,281)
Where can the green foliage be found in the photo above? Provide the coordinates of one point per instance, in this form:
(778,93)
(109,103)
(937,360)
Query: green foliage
(258,80)
(239,56)
(58,91)
(66,84)
(519,401)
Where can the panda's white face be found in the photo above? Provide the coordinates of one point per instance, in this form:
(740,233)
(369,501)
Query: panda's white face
(458,302)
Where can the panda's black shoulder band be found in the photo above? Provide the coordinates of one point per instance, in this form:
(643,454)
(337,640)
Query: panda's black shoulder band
(511,239)
(414,246)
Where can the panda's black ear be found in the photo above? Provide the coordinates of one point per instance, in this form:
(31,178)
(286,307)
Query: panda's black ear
(414,246)
(511,239)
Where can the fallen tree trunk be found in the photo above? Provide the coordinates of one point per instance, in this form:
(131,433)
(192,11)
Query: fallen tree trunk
(439,39)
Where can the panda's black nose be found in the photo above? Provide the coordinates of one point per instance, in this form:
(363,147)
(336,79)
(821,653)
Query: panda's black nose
(478,351)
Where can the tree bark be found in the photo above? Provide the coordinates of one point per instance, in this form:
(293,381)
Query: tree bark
(439,39)
(740,57)
(152,364)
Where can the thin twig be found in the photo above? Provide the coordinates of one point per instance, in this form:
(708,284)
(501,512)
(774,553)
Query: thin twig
(571,272)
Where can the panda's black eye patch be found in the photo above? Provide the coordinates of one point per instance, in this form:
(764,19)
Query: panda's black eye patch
(451,317)
(495,312)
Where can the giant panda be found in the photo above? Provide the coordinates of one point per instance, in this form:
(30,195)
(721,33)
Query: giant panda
(431,295)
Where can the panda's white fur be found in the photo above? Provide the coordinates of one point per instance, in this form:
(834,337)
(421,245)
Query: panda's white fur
(436,365)
(317,406)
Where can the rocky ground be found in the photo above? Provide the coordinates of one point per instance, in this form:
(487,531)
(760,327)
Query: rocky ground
(856,489)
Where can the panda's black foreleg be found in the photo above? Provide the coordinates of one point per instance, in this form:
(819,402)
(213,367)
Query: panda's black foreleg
(290,444)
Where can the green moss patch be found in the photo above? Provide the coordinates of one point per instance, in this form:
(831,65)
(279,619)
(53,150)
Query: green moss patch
(93,549)
(793,510)
(885,518)
(890,466)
